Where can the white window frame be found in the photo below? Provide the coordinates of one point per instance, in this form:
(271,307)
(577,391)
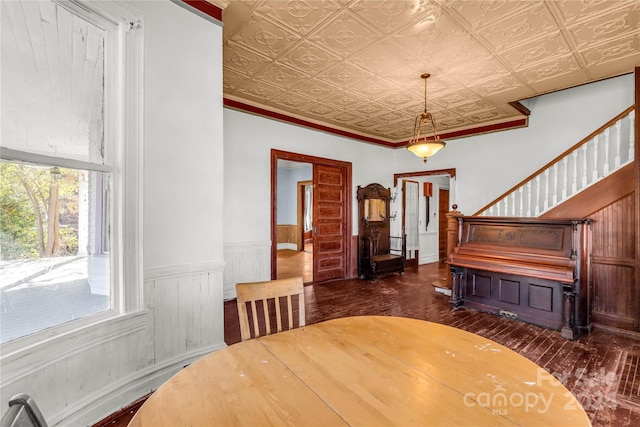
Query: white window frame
(123,128)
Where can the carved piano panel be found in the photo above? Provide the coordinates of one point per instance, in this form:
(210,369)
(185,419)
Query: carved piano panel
(528,269)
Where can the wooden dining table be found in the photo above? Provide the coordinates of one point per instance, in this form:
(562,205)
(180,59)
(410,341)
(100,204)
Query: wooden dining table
(363,371)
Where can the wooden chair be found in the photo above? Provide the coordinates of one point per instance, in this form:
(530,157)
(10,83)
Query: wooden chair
(23,412)
(270,294)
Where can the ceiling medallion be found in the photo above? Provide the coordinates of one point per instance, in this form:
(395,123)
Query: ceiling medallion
(423,145)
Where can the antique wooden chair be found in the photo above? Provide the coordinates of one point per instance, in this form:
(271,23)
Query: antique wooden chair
(23,412)
(265,299)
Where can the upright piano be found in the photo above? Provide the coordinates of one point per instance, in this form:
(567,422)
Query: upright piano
(531,269)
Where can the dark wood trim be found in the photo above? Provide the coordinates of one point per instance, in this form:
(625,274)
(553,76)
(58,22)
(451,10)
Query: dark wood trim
(205,7)
(557,159)
(396,176)
(304,158)
(480,130)
(121,414)
(521,108)
(230,103)
(637,189)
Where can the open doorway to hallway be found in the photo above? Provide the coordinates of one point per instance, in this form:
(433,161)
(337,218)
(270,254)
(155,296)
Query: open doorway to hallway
(295,220)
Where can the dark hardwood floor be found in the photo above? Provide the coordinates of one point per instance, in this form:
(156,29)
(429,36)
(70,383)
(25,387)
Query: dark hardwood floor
(600,369)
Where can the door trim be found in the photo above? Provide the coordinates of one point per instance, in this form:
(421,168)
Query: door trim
(348,217)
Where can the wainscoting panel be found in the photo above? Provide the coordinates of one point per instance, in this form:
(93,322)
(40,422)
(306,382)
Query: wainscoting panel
(187,310)
(78,367)
(245,262)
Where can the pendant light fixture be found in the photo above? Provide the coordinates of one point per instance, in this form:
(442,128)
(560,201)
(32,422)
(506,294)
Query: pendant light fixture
(423,145)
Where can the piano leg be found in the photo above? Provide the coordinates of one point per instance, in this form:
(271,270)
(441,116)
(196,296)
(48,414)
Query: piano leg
(457,297)
(569,330)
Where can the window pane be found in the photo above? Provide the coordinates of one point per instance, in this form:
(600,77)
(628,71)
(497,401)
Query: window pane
(54,263)
(52,81)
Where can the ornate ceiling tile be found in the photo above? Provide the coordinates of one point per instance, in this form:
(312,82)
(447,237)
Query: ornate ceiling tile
(258,91)
(243,60)
(391,116)
(490,114)
(549,69)
(310,58)
(481,13)
(264,36)
(344,75)
(370,109)
(301,16)
(397,99)
(367,123)
(573,11)
(478,71)
(457,97)
(469,107)
(315,89)
(529,23)
(499,84)
(343,99)
(283,76)
(292,101)
(618,24)
(373,87)
(318,111)
(344,117)
(389,16)
(540,50)
(232,80)
(344,35)
(453,123)
(381,57)
(433,38)
(625,51)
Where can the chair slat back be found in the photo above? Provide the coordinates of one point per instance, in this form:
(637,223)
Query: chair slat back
(258,295)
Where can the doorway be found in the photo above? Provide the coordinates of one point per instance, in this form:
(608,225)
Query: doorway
(294,220)
(330,218)
(410,221)
(436,185)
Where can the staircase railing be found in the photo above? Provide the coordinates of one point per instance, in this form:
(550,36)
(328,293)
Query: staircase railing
(604,151)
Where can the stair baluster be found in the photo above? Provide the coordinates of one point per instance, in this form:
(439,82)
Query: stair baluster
(585,163)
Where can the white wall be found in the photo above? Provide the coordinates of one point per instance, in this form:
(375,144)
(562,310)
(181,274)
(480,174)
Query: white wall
(80,376)
(248,141)
(487,165)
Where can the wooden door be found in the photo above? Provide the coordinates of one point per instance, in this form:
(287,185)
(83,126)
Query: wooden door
(443,209)
(330,222)
(331,213)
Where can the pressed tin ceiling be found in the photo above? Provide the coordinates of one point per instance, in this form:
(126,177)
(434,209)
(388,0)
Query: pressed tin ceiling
(353,66)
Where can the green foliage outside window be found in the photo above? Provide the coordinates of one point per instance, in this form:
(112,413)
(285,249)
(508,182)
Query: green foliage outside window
(27,217)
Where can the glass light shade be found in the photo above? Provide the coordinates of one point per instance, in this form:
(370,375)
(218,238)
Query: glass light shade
(425,148)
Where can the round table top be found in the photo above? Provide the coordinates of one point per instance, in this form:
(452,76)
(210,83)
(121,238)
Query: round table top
(366,370)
